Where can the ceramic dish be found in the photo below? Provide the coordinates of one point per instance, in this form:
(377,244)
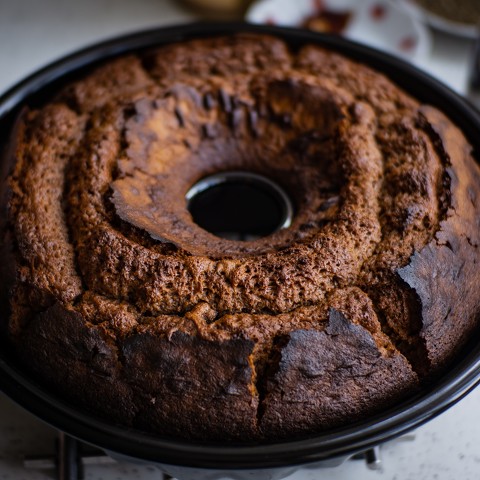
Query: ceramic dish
(439,23)
(377,23)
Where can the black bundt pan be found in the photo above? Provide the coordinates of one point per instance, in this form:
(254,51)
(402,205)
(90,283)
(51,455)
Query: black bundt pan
(272,460)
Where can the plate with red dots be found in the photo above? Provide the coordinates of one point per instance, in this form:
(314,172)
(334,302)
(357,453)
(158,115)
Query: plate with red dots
(381,24)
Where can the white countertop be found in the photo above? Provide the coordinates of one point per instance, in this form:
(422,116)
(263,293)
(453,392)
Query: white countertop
(35,32)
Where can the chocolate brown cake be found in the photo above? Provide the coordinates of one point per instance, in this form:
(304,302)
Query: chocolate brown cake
(125,306)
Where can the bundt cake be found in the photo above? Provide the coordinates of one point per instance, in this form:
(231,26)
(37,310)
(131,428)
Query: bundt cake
(126,307)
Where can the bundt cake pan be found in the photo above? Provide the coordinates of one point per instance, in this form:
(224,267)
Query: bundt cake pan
(266,460)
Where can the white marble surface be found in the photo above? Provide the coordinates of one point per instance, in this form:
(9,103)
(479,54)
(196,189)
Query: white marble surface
(35,32)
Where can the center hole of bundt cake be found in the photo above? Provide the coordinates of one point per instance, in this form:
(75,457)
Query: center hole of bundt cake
(239,205)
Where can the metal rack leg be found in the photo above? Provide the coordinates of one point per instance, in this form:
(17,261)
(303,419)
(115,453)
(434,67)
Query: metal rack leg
(68,466)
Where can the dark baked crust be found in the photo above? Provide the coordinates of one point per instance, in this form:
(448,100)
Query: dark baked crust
(445,273)
(147,380)
(123,304)
(344,363)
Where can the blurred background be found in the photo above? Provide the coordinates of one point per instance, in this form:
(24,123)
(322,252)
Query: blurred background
(437,36)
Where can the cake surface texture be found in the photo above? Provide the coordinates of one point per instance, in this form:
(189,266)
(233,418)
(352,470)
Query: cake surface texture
(126,307)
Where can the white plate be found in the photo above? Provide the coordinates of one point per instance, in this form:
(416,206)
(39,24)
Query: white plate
(440,23)
(380,24)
